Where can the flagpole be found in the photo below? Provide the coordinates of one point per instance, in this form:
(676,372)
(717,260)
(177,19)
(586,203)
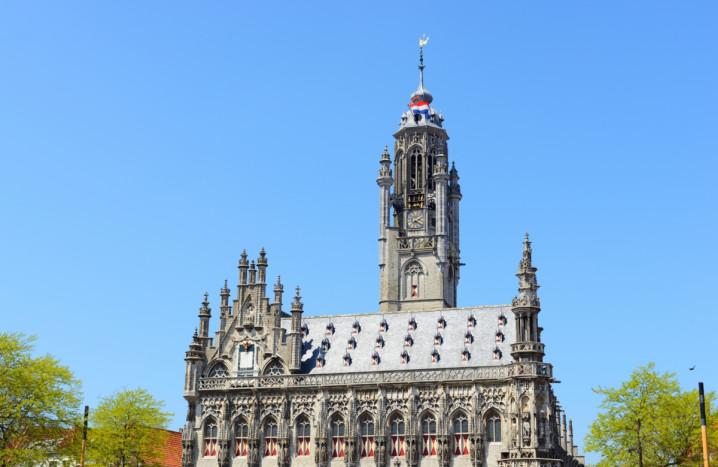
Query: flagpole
(704,433)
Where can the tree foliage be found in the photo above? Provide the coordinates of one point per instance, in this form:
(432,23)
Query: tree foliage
(650,422)
(39,402)
(128,429)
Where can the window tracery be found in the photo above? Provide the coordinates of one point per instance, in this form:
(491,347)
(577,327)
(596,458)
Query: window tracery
(241,434)
(493,428)
(397,435)
(366,426)
(337,425)
(219,371)
(461,435)
(428,436)
(270,438)
(210,437)
(304,431)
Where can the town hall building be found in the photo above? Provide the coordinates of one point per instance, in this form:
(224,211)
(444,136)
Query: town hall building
(419,382)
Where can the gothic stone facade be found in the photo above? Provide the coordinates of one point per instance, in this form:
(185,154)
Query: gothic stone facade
(419,383)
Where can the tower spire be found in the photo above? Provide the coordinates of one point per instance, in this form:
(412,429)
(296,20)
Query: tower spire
(422,43)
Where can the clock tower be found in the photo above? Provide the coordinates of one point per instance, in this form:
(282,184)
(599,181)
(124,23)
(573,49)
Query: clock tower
(419,221)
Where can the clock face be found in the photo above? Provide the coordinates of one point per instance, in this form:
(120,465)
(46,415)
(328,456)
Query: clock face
(415,220)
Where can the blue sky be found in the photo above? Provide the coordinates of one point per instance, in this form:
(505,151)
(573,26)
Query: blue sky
(144,145)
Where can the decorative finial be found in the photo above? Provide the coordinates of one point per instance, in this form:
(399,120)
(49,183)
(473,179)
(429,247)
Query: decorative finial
(297,297)
(423,40)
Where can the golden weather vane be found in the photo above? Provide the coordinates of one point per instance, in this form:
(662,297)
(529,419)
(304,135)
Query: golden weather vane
(423,40)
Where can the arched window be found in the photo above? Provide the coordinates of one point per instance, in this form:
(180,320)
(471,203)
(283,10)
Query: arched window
(428,435)
(210,437)
(270,438)
(461,435)
(337,436)
(274,368)
(304,434)
(493,428)
(430,161)
(219,371)
(415,172)
(366,427)
(397,435)
(241,433)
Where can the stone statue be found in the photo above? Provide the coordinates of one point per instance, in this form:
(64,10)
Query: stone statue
(526,427)
(323,455)
(414,457)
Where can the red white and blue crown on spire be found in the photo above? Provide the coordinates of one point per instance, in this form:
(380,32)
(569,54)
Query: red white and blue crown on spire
(420,112)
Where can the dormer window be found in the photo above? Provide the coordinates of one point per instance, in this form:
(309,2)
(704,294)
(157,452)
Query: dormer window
(497,353)
(305,330)
(347,359)
(499,336)
(383,326)
(465,355)
(408,341)
(441,323)
(330,329)
(351,343)
(379,342)
(356,327)
(435,356)
(502,319)
(412,324)
(320,360)
(438,339)
(375,358)
(471,322)
(468,337)
(325,344)
(404,356)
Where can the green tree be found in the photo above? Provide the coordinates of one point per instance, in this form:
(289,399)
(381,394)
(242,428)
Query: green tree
(39,402)
(128,429)
(649,422)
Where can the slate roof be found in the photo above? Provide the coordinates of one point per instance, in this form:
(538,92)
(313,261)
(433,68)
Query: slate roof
(453,342)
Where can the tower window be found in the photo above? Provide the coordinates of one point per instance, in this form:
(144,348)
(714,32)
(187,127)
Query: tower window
(325,344)
(438,339)
(465,355)
(404,356)
(320,361)
(375,358)
(471,322)
(351,343)
(502,319)
(356,327)
(414,291)
(379,342)
(330,329)
(347,359)
(499,336)
(383,326)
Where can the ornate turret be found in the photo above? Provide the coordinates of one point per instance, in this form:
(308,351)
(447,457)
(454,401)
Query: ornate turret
(205,313)
(295,335)
(243,265)
(418,252)
(526,308)
(262,267)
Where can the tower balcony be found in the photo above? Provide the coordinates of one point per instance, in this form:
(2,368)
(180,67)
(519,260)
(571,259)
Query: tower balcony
(527,350)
